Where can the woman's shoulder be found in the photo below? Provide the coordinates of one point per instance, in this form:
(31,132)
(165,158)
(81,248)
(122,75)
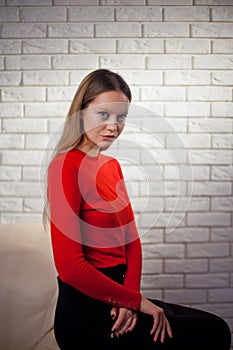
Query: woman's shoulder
(72,158)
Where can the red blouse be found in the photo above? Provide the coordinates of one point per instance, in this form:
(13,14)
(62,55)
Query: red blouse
(92,226)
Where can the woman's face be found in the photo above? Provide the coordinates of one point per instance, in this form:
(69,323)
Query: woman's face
(104,120)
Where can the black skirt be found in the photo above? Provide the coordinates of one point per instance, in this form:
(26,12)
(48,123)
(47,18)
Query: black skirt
(82,322)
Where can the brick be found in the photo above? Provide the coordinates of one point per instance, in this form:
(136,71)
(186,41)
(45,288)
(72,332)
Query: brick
(1,63)
(9,141)
(207,250)
(186,172)
(211,188)
(186,14)
(165,125)
(224,172)
(22,217)
(188,235)
(223,46)
(213,93)
(213,62)
(45,78)
(187,46)
(163,93)
(55,124)
(163,156)
(38,141)
(151,236)
(19,189)
(210,125)
(222,78)
(9,15)
(29,2)
(187,109)
(10,204)
(222,109)
(117,30)
(23,30)
(170,2)
(91,14)
(222,234)
(8,46)
(23,94)
(45,110)
(142,77)
(222,141)
(10,173)
(169,62)
(213,2)
(206,280)
(43,14)
(27,62)
(43,46)
(96,46)
(122,2)
(189,141)
(74,62)
(186,265)
(212,30)
(185,296)
(162,281)
(147,204)
(221,295)
(222,14)
(140,46)
(10,79)
(185,204)
(61,94)
(21,157)
(222,203)
(187,78)
(20,125)
(74,2)
(221,265)
(165,30)
(169,221)
(31,173)
(122,62)
(152,266)
(138,14)
(69,30)
(33,205)
(208,219)
(12,110)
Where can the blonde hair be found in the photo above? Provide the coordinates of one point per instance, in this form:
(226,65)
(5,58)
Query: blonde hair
(95,83)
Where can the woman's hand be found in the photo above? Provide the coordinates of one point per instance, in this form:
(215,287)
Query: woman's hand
(125,321)
(161,326)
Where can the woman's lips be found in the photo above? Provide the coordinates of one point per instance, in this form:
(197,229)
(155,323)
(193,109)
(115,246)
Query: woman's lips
(108,137)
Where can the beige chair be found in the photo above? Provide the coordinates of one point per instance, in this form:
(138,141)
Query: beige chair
(28,288)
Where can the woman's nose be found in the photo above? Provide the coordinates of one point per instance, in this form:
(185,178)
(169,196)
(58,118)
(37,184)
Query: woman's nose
(112,123)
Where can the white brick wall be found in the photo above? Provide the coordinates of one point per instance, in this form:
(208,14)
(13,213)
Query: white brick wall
(177,56)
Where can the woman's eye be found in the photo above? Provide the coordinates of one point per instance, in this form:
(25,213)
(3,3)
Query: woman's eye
(121,118)
(104,115)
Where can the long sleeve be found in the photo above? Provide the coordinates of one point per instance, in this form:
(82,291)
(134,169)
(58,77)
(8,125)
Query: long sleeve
(65,200)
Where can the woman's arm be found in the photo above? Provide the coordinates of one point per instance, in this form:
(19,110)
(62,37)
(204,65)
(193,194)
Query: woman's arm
(65,200)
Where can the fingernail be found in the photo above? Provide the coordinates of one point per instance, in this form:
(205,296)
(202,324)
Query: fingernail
(112,315)
(114,330)
(119,335)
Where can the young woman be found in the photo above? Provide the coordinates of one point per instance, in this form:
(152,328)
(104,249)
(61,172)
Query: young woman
(96,246)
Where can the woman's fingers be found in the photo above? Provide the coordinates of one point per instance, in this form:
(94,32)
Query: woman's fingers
(160,327)
(126,321)
(113,313)
(168,328)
